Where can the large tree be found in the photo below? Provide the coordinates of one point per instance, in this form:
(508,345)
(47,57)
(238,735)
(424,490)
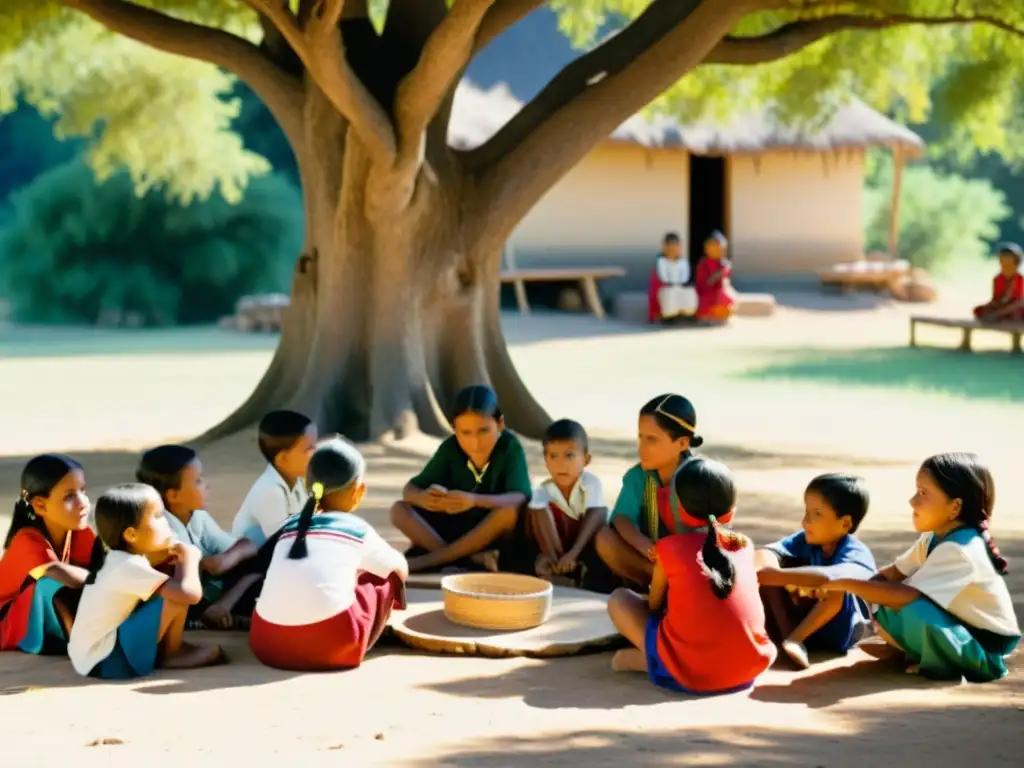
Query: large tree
(395,300)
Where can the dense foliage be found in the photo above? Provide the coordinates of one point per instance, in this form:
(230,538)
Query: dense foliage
(947,222)
(77,250)
(168,119)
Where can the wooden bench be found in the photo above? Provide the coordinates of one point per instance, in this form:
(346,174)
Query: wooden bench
(968,327)
(587,277)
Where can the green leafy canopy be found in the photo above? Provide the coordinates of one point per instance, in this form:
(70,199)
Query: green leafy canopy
(168,119)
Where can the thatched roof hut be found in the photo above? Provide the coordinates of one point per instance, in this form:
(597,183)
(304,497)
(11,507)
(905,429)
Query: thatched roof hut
(790,199)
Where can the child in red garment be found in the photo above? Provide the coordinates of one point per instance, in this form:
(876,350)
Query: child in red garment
(1007,289)
(711,637)
(46,554)
(715,297)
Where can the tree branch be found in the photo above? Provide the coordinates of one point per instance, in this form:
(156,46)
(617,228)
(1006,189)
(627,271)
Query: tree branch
(795,36)
(589,98)
(499,17)
(281,92)
(320,48)
(423,91)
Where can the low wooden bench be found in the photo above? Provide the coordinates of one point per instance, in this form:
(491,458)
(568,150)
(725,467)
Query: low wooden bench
(968,327)
(587,277)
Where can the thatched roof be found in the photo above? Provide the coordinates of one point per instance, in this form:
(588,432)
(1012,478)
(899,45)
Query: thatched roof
(518,64)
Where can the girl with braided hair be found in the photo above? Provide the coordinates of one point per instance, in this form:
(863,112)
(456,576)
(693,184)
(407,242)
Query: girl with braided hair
(332,580)
(943,603)
(702,628)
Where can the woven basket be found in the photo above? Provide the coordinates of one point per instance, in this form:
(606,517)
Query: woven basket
(501,601)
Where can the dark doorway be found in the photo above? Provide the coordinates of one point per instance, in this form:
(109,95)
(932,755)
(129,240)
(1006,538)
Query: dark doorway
(707,203)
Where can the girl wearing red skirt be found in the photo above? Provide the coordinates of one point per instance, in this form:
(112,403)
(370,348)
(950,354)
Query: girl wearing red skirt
(332,580)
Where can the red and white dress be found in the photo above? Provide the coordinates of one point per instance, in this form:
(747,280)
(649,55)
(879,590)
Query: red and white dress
(326,610)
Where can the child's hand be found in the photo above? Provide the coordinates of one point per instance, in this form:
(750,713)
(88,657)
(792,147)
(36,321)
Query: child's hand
(652,553)
(184,554)
(544,568)
(435,499)
(218,617)
(567,563)
(458,501)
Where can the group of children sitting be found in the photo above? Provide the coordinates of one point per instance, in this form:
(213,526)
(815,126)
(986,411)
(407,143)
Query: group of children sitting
(314,584)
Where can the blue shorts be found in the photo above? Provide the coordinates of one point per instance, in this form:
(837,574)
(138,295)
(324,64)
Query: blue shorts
(134,653)
(661,677)
(844,630)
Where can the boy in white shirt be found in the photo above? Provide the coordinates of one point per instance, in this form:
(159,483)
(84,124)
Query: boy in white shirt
(287,440)
(567,510)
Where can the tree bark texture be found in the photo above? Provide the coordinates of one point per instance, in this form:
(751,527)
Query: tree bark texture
(395,299)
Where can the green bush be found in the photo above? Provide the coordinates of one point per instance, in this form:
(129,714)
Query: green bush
(946,221)
(75,250)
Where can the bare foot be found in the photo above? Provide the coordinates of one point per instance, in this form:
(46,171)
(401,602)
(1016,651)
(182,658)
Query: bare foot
(797,653)
(629,660)
(193,656)
(487,560)
(914,669)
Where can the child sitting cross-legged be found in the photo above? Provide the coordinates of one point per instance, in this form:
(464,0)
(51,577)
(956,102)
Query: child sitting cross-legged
(462,509)
(131,617)
(790,569)
(227,567)
(332,580)
(702,629)
(567,510)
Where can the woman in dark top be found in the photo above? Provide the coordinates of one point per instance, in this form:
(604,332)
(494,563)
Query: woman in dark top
(468,497)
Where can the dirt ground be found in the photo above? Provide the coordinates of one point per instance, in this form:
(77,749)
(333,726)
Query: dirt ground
(824,385)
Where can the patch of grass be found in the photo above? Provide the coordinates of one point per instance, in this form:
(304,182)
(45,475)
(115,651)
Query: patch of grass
(997,376)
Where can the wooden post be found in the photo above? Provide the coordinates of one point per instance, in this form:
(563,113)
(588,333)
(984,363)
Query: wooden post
(894,208)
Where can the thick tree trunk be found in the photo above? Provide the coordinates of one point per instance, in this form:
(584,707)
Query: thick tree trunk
(393,309)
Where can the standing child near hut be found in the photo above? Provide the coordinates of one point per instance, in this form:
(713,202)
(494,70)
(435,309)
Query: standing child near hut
(834,506)
(1007,301)
(46,555)
(567,510)
(702,629)
(332,579)
(466,501)
(230,584)
(644,510)
(286,440)
(944,604)
(131,618)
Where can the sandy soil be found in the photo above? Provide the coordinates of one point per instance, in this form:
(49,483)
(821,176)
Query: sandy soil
(402,708)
